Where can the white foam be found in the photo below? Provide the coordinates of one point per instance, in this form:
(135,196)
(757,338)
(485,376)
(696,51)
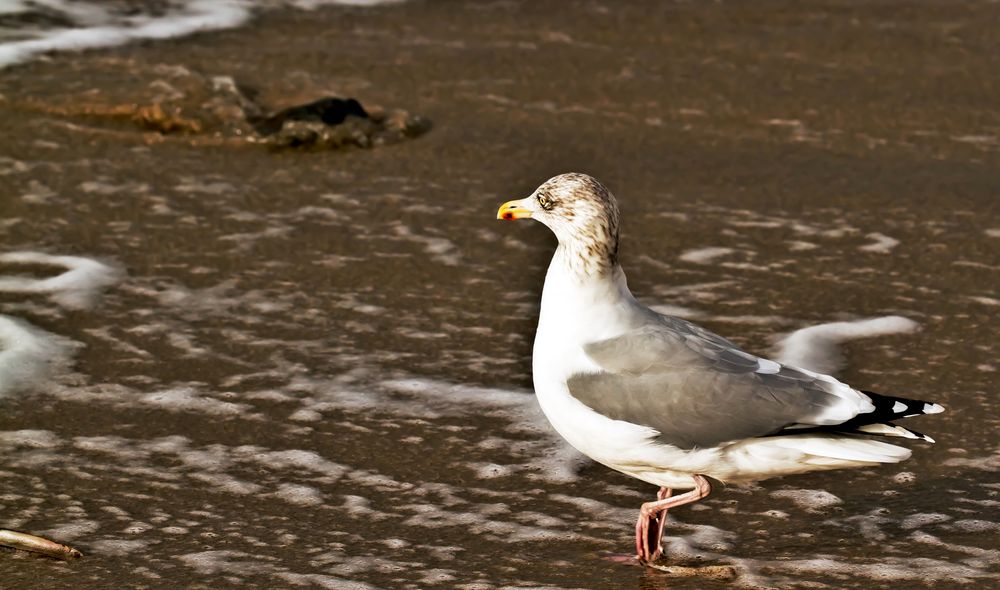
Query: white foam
(886,568)
(117,547)
(294,459)
(77,288)
(228,483)
(985,300)
(33,439)
(175,530)
(299,495)
(323,581)
(360,507)
(801,246)
(914,521)
(311,4)
(976,526)
(222,561)
(433,516)
(986,463)
(869,525)
(882,244)
(705,255)
(549,457)
(29,356)
(815,348)
(698,541)
(97,26)
(188,400)
(72,530)
(37,193)
(196,15)
(710,544)
(122,449)
(812,500)
(493,470)
(440,249)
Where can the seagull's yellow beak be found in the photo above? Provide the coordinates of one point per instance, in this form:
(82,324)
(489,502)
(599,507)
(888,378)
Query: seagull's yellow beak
(512,210)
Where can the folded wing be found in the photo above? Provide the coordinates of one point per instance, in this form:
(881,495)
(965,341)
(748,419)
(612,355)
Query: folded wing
(699,390)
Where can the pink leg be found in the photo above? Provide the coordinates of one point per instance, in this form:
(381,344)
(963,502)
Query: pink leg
(661,523)
(660,520)
(657,512)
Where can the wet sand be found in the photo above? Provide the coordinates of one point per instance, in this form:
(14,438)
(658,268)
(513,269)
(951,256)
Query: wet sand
(313,369)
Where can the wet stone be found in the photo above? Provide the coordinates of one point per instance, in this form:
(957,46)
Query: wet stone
(207,110)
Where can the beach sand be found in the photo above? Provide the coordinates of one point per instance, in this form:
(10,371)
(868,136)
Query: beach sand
(312,368)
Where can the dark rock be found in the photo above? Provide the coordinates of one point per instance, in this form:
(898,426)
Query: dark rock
(376,127)
(329,111)
(178,102)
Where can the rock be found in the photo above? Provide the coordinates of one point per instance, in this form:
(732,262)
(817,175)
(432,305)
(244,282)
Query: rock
(328,111)
(335,122)
(217,109)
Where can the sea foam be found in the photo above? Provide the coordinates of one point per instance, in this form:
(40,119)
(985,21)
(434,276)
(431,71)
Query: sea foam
(76,288)
(102,29)
(30,355)
(815,348)
(99,26)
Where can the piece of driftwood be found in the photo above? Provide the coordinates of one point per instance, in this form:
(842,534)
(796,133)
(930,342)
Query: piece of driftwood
(36,544)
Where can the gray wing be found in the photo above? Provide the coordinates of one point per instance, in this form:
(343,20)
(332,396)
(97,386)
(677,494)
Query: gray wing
(696,388)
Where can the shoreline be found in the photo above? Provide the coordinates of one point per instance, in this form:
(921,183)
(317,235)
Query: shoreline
(101,28)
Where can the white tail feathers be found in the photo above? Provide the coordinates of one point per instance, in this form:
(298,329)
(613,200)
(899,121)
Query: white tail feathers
(850,449)
(893,430)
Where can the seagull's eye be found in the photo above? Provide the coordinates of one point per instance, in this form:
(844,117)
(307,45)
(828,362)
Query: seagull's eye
(545,201)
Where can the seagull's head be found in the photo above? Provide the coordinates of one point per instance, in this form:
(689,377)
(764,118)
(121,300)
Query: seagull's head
(579,210)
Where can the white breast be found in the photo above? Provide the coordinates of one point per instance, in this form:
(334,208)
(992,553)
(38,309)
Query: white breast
(574,313)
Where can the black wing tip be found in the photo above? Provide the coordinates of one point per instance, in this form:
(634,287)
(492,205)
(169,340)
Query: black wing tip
(888,407)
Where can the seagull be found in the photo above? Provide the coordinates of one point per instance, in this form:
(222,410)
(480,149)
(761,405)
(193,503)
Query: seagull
(666,401)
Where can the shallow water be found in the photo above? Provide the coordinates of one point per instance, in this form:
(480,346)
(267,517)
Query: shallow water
(285,369)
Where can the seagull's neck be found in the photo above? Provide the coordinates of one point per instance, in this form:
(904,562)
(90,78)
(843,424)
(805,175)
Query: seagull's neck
(577,308)
(572,287)
(593,255)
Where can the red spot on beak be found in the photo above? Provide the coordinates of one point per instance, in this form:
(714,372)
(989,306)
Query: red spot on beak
(508,216)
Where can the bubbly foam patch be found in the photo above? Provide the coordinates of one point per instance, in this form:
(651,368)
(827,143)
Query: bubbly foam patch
(101,28)
(311,4)
(323,581)
(816,347)
(985,463)
(30,356)
(76,288)
(190,400)
(882,243)
(98,25)
(812,500)
(31,439)
(222,561)
(705,255)
(549,457)
(438,248)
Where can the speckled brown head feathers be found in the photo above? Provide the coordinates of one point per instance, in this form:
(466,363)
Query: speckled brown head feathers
(584,216)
